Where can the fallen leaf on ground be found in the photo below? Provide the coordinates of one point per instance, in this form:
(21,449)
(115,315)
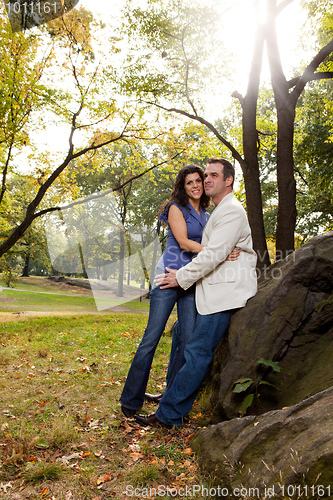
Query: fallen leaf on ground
(188,437)
(104,478)
(136,456)
(128,428)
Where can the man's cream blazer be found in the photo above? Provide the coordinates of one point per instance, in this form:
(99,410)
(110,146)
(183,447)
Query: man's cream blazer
(222,285)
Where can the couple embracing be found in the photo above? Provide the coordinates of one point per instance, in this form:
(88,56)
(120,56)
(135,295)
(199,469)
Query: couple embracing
(208,269)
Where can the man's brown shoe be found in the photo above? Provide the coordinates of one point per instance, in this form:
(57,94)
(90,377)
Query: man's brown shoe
(150,420)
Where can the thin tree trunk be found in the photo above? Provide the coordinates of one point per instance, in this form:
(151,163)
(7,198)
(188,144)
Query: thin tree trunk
(120,290)
(84,271)
(25,272)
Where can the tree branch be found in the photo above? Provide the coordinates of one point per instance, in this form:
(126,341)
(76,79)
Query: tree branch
(4,173)
(238,96)
(107,191)
(310,69)
(30,212)
(321,75)
(201,120)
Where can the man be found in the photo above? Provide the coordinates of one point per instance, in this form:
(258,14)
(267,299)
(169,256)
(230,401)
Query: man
(221,287)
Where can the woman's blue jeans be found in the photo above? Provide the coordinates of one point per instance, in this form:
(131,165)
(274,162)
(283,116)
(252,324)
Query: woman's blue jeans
(161,304)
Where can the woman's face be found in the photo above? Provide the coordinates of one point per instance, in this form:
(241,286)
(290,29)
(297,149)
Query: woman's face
(193,186)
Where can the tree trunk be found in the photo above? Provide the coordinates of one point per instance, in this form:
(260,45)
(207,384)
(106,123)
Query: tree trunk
(120,290)
(255,214)
(250,165)
(286,216)
(25,272)
(84,271)
(251,174)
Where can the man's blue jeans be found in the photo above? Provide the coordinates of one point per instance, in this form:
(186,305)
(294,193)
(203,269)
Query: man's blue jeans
(161,305)
(179,397)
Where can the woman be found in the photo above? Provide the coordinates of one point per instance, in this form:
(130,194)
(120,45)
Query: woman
(186,216)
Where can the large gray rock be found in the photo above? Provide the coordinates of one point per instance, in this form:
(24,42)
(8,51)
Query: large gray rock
(290,320)
(291,447)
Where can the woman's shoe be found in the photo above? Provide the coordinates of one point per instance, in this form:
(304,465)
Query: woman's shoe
(153,398)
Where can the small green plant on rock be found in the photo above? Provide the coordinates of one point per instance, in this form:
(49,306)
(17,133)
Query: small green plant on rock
(245,383)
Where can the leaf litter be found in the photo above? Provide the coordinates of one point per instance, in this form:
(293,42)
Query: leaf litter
(47,412)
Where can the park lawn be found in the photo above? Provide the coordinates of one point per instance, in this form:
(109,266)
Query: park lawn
(15,301)
(38,294)
(18,301)
(43,284)
(62,433)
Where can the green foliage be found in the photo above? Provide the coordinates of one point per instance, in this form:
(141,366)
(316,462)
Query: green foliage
(242,384)
(31,252)
(21,91)
(245,383)
(33,72)
(320,14)
(9,275)
(247,402)
(135,200)
(268,362)
(168,56)
(313,161)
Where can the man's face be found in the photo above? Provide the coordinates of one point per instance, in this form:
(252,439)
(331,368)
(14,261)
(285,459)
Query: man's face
(215,185)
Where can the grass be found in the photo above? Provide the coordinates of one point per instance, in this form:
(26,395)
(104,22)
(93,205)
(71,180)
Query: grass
(61,426)
(40,295)
(43,471)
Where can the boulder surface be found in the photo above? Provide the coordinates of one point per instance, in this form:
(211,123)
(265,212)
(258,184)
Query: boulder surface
(279,453)
(290,321)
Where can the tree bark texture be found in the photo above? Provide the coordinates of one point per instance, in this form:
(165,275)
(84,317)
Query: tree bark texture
(286,216)
(250,165)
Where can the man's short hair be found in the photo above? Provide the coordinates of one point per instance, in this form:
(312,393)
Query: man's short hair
(228,168)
